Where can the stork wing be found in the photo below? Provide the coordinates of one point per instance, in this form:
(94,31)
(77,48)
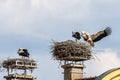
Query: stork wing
(101,34)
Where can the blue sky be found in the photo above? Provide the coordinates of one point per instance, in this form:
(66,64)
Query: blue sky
(33,24)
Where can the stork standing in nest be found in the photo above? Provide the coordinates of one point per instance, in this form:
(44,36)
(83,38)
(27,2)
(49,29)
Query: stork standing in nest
(76,35)
(23,52)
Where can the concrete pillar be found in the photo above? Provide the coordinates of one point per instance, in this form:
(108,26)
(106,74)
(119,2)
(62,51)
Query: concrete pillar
(73,71)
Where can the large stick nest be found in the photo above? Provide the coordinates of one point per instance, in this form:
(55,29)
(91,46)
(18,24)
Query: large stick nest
(71,51)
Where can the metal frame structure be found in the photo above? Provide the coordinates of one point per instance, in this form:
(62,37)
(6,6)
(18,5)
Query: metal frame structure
(24,64)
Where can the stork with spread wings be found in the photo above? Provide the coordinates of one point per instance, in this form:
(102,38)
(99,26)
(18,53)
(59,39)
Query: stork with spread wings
(96,37)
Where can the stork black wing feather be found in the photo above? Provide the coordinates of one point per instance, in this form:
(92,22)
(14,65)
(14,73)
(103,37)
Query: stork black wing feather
(101,34)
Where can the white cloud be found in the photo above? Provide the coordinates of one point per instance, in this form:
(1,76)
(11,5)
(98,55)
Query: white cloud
(62,8)
(108,60)
(105,1)
(32,17)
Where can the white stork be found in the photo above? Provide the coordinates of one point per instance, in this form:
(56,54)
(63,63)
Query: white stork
(23,52)
(96,37)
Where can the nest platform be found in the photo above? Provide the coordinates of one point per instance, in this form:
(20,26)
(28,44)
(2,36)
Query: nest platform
(19,63)
(19,77)
(71,51)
